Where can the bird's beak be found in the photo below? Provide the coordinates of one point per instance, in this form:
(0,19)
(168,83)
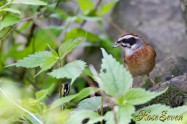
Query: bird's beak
(116,45)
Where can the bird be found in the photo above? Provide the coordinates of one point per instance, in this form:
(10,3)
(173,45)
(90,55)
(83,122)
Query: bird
(139,55)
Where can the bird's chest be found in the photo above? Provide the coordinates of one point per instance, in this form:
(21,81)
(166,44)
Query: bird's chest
(141,62)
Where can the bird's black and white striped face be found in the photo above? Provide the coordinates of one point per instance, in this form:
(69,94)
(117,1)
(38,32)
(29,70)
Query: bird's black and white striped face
(130,43)
(126,41)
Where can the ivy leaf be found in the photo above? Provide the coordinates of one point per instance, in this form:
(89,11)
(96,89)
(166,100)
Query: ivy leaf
(76,97)
(138,96)
(166,115)
(9,20)
(71,70)
(68,46)
(107,7)
(34,60)
(124,114)
(29,2)
(11,10)
(78,116)
(93,103)
(86,5)
(116,80)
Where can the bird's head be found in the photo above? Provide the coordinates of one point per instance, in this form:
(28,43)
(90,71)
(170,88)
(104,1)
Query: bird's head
(129,42)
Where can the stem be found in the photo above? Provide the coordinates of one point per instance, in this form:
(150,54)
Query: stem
(4,6)
(57,4)
(20,107)
(115,117)
(102,101)
(61,85)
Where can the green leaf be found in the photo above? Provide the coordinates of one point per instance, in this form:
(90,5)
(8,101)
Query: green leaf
(148,115)
(54,53)
(76,97)
(11,10)
(71,70)
(107,7)
(78,116)
(68,46)
(93,103)
(79,32)
(29,2)
(62,101)
(8,20)
(109,117)
(139,96)
(124,114)
(86,5)
(116,80)
(42,94)
(45,36)
(49,62)
(84,93)
(96,120)
(34,60)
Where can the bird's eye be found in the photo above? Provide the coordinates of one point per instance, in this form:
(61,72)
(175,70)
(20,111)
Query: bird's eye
(131,41)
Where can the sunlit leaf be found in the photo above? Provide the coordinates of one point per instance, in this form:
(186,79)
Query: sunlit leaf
(29,2)
(124,114)
(11,10)
(140,96)
(34,60)
(107,7)
(68,46)
(71,70)
(8,20)
(116,80)
(79,32)
(109,117)
(86,5)
(42,94)
(49,62)
(76,97)
(78,116)
(93,103)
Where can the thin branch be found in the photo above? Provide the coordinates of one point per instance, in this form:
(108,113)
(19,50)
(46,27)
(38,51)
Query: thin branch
(57,4)
(7,32)
(118,28)
(4,6)
(95,9)
(20,107)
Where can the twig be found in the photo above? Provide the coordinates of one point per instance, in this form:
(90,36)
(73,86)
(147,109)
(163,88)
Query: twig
(7,32)
(119,29)
(4,6)
(95,9)
(57,4)
(89,81)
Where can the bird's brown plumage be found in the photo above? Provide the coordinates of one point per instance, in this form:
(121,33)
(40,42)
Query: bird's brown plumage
(142,61)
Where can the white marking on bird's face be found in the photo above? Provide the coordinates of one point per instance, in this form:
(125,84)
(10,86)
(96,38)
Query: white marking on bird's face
(130,50)
(127,37)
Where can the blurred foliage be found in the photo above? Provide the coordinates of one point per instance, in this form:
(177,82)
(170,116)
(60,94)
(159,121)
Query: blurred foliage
(41,44)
